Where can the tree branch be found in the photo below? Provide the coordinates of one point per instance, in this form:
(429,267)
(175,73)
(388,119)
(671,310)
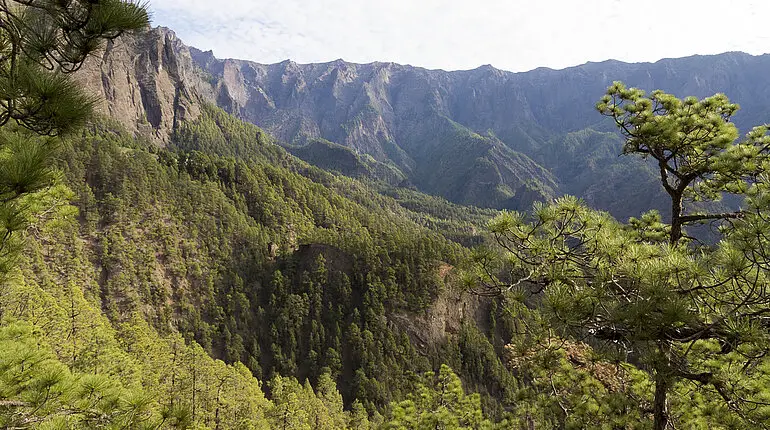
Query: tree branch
(702,217)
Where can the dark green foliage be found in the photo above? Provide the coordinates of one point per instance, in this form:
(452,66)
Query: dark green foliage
(217,133)
(468,168)
(299,283)
(337,158)
(223,245)
(462,224)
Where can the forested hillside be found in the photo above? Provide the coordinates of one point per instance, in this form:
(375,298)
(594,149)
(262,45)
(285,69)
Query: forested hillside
(223,246)
(165,264)
(227,241)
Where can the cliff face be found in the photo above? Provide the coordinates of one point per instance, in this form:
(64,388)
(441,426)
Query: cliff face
(484,136)
(148,82)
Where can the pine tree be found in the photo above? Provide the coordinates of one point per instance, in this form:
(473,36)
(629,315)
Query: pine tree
(694,145)
(673,309)
(439,403)
(37,390)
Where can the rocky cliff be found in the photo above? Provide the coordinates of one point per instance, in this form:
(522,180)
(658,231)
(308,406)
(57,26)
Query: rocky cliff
(148,82)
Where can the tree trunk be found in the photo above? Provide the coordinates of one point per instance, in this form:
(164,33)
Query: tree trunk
(676,218)
(660,407)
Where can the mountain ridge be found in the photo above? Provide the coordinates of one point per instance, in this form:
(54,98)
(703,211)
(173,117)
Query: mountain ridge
(476,137)
(210,52)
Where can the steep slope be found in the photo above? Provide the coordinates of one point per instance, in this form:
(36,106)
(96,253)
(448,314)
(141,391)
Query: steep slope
(152,81)
(390,112)
(337,158)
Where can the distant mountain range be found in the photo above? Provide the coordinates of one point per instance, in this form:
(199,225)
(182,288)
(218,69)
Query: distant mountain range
(482,137)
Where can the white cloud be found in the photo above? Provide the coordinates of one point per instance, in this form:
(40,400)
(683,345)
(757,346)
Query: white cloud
(452,34)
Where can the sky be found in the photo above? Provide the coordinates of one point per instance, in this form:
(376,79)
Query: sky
(513,35)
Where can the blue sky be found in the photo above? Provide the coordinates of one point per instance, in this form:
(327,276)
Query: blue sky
(452,34)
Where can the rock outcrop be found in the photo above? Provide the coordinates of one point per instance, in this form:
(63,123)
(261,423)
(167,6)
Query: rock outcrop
(147,82)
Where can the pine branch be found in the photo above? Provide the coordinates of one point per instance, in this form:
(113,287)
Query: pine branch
(703,217)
